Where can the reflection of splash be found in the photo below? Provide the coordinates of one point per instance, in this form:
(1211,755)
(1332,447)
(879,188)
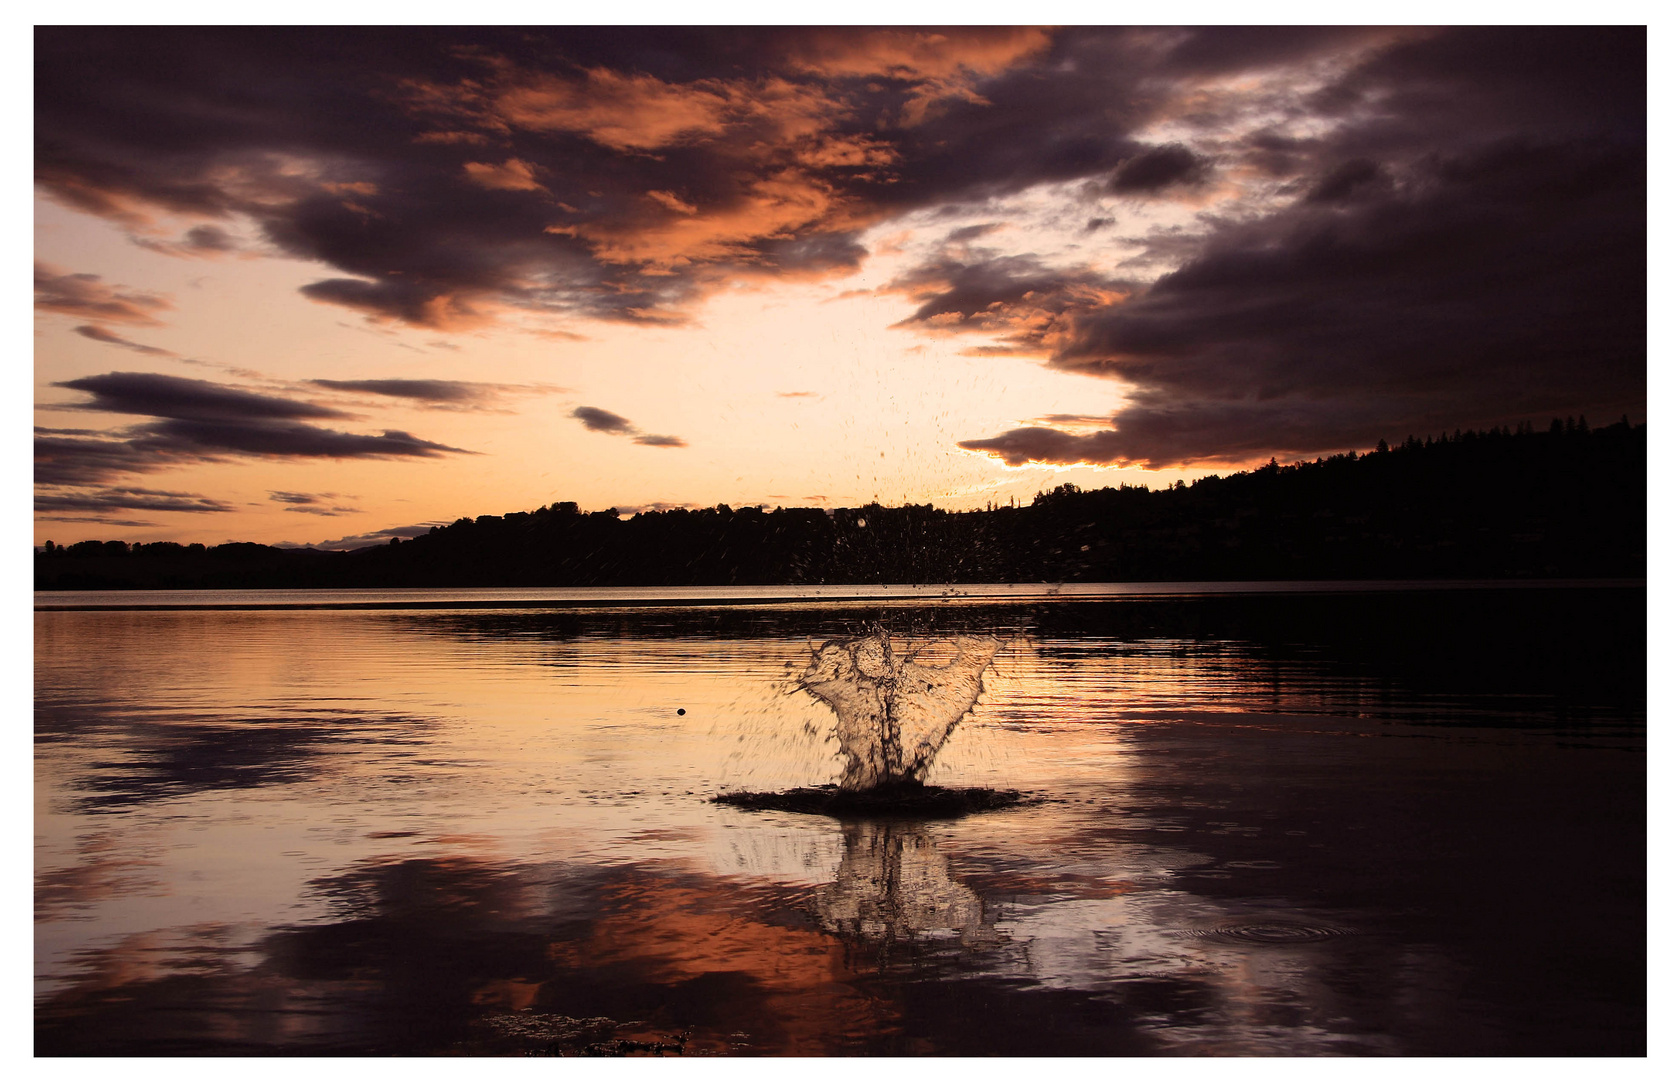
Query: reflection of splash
(895,708)
(894,884)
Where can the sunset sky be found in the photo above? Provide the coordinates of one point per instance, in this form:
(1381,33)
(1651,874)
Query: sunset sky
(328,285)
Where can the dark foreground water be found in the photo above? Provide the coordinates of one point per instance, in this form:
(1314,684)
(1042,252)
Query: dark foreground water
(1410,822)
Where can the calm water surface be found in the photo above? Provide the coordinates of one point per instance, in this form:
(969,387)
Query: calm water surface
(1387,822)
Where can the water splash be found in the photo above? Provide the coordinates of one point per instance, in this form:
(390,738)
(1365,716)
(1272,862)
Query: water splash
(896,701)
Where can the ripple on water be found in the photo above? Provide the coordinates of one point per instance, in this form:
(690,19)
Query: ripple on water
(1269,932)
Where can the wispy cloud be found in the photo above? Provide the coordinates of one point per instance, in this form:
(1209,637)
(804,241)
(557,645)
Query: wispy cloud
(100,334)
(321,505)
(437,393)
(131,523)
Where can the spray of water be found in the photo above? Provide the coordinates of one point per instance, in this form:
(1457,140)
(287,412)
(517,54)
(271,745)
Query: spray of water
(896,700)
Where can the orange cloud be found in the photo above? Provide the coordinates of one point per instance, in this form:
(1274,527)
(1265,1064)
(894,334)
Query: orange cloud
(672,201)
(846,152)
(622,112)
(513,174)
(354,187)
(918,54)
(775,136)
(772,206)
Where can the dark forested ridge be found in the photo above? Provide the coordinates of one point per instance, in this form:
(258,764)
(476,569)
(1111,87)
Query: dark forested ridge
(1563,502)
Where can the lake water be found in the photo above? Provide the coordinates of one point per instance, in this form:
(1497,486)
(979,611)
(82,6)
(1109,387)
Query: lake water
(1321,820)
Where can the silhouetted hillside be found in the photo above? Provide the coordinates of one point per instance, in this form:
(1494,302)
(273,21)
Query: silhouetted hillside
(1565,502)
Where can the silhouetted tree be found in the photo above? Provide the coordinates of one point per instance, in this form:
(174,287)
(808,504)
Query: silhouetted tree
(1568,501)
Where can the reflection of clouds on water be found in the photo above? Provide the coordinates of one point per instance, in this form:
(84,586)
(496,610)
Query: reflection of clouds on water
(108,870)
(419,955)
(539,846)
(1118,926)
(423,954)
(152,758)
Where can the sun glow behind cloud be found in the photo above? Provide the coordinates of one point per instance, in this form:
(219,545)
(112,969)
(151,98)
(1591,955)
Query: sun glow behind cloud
(816,266)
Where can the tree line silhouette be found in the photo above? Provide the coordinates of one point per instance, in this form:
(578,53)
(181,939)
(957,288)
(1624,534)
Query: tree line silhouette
(1568,501)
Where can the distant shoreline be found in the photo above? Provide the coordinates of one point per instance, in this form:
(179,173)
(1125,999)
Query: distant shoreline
(700,596)
(1497,505)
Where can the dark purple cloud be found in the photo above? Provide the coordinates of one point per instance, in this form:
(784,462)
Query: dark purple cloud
(610,423)
(1023,445)
(1472,255)
(1355,178)
(129,499)
(1163,167)
(95,519)
(100,334)
(1225,50)
(433,391)
(94,459)
(147,394)
(1482,290)
(286,439)
(602,420)
(199,421)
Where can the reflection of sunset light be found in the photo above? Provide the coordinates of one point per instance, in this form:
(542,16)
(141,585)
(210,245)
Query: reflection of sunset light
(269,825)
